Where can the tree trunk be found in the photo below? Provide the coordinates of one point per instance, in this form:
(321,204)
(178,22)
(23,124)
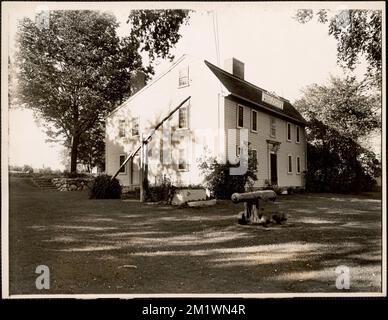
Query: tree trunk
(74,154)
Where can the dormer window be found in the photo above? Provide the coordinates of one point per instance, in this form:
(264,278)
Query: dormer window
(183,77)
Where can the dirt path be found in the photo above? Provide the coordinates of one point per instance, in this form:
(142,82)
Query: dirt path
(114,246)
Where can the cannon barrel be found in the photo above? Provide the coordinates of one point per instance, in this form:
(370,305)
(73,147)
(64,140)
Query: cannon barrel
(255,195)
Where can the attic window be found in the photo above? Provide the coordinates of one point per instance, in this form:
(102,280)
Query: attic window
(184,77)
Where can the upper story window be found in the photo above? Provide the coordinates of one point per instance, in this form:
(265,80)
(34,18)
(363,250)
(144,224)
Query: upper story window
(273,127)
(122,159)
(254,121)
(298,165)
(297,134)
(135,126)
(184,77)
(240,117)
(121,128)
(183,117)
(289,131)
(289,165)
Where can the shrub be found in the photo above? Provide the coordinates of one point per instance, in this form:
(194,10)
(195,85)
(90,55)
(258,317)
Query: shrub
(221,183)
(28,169)
(161,192)
(345,167)
(105,188)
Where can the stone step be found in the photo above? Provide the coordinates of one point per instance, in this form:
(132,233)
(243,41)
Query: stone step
(44,184)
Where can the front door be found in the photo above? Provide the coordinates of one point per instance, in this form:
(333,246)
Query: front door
(274,168)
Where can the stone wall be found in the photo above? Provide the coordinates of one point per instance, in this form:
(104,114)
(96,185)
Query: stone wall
(72,184)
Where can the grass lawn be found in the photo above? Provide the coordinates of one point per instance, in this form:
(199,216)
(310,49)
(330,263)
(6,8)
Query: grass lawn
(114,246)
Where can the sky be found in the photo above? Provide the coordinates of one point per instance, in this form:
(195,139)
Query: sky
(280,55)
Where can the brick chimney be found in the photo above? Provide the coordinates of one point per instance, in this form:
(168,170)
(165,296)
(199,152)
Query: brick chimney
(234,67)
(138,81)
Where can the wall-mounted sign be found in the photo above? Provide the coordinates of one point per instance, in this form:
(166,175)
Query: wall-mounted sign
(270,99)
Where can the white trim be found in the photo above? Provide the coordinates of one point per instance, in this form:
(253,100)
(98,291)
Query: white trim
(296,165)
(270,127)
(289,156)
(125,167)
(297,134)
(289,139)
(148,85)
(238,109)
(257,120)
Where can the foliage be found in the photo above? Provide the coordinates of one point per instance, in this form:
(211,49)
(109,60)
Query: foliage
(160,192)
(157,28)
(338,163)
(221,183)
(27,168)
(92,148)
(268,186)
(77,69)
(344,104)
(105,188)
(340,115)
(358,33)
(68,174)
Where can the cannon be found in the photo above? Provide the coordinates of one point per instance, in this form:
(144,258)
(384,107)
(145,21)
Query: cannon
(259,207)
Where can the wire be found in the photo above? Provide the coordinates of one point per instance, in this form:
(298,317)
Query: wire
(216,40)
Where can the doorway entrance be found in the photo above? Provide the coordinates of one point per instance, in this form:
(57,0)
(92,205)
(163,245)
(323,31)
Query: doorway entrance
(274,168)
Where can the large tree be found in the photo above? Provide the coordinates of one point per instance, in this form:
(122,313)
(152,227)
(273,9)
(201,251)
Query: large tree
(358,34)
(344,104)
(76,69)
(340,115)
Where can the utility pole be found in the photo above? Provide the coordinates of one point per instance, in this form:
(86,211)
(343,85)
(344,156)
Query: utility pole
(143,169)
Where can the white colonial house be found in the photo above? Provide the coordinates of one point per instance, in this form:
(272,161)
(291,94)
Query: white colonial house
(222,108)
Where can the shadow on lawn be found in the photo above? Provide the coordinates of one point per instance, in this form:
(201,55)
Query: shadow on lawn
(187,250)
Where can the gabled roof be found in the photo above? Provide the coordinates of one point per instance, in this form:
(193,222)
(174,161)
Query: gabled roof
(156,79)
(248,92)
